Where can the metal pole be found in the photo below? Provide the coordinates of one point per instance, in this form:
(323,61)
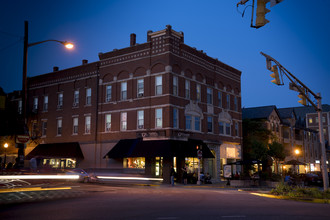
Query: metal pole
(322,143)
(199,172)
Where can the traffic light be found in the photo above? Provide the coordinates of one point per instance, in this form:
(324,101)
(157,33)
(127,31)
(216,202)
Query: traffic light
(303,99)
(275,75)
(261,13)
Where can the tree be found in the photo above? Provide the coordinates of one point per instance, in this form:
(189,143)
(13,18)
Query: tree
(277,151)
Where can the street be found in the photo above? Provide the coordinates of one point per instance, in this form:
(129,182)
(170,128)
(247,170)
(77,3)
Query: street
(163,202)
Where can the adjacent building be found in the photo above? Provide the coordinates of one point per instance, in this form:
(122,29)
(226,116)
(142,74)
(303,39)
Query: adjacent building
(142,109)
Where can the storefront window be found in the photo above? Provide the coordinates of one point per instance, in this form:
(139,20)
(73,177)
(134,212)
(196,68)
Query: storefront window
(192,164)
(57,163)
(134,162)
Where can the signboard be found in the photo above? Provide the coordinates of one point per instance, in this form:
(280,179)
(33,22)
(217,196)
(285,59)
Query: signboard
(227,171)
(22,139)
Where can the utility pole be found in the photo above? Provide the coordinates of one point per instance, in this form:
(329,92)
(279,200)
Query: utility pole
(303,93)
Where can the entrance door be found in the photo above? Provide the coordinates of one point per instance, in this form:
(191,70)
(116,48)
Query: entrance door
(159,166)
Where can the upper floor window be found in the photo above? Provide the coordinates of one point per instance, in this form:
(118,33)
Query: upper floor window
(236,129)
(235,104)
(44,128)
(219,99)
(224,128)
(123,121)
(228,101)
(209,124)
(228,130)
(175,85)
(35,104)
(175,118)
(193,123)
(88,96)
(198,92)
(159,118)
(310,120)
(45,103)
(87,124)
(59,127)
(187,89)
(108,93)
(60,100)
(209,96)
(140,87)
(221,127)
(140,118)
(107,122)
(123,91)
(75,125)
(159,85)
(76,98)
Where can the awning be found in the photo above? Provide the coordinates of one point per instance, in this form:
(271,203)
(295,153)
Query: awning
(57,150)
(158,148)
(294,162)
(245,162)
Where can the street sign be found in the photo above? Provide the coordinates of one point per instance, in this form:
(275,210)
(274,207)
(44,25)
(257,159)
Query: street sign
(22,139)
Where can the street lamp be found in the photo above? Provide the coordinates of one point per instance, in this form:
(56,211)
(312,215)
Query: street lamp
(5,146)
(297,152)
(24,81)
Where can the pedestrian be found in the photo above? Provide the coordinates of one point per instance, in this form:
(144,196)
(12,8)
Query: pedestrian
(172,175)
(184,175)
(33,165)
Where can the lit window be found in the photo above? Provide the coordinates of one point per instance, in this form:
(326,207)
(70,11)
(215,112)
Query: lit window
(134,162)
(310,120)
(209,96)
(159,118)
(59,127)
(108,93)
(87,124)
(35,104)
(123,121)
(45,103)
(187,89)
(209,124)
(175,118)
(123,90)
(175,85)
(107,122)
(140,116)
(198,92)
(88,96)
(75,125)
(140,87)
(159,83)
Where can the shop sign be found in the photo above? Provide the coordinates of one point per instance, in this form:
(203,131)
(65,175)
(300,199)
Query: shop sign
(22,139)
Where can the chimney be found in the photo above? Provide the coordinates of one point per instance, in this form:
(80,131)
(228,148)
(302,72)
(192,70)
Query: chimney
(84,62)
(133,39)
(55,68)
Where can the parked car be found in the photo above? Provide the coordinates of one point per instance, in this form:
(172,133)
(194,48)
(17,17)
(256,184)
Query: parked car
(311,179)
(84,177)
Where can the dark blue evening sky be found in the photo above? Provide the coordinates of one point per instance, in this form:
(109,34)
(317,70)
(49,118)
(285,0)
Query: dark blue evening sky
(297,36)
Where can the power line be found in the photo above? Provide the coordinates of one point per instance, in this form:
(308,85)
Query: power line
(10,45)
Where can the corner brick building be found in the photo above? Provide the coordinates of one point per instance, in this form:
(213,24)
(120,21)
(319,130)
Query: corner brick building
(142,109)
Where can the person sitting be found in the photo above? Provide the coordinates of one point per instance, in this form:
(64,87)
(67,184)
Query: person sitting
(207,179)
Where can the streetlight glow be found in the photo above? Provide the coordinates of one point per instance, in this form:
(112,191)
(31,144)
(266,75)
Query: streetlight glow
(5,145)
(69,45)
(297,151)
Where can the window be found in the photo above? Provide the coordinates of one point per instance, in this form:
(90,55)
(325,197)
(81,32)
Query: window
(228,101)
(59,127)
(310,120)
(159,118)
(35,104)
(209,96)
(108,93)
(221,128)
(19,110)
(193,123)
(123,121)
(323,119)
(134,162)
(198,93)
(44,128)
(76,98)
(75,125)
(107,122)
(88,96)
(45,103)
(209,124)
(60,100)
(236,129)
(140,87)
(219,99)
(235,104)
(197,123)
(159,83)
(123,91)
(175,118)
(227,129)
(188,122)
(87,124)
(140,117)
(187,89)
(175,85)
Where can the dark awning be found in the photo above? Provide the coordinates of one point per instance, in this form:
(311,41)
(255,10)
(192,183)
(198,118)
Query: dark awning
(158,148)
(57,150)
(245,162)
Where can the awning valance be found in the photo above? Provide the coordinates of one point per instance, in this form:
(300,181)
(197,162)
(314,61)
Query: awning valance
(57,150)
(158,148)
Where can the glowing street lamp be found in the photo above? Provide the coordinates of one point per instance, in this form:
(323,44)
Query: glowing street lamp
(5,146)
(297,152)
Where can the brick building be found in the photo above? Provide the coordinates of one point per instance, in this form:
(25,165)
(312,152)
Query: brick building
(140,108)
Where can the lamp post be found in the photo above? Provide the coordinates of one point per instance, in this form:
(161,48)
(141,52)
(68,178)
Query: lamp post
(24,80)
(297,152)
(5,146)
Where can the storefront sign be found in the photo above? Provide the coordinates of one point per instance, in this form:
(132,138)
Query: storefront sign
(22,139)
